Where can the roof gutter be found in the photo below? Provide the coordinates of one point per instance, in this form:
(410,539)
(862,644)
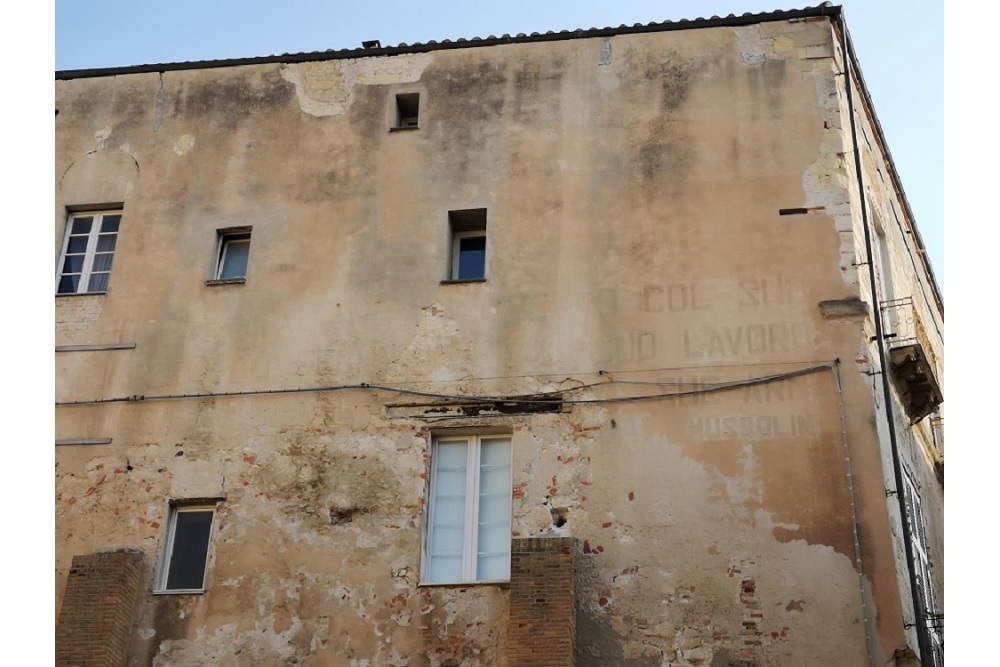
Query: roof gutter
(826,9)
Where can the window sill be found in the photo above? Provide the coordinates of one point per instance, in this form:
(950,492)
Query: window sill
(186,591)
(62,294)
(463,282)
(227,281)
(464,584)
(403,129)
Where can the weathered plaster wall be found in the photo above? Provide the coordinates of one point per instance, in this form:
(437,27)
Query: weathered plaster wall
(911,313)
(633,187)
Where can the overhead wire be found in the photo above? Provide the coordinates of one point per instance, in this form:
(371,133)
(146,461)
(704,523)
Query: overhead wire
(545,397)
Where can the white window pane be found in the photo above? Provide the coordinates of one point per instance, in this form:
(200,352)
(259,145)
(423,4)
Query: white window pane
(494,537)
(495,480)
(493,568)
(495,450)
(494,509)
(449,511)
(446,569)
(493,558)
(451,454)
(447,540)
(448,505)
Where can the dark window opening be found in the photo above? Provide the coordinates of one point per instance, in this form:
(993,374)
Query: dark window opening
(407,110)
(233,254)
(187,549)
(468,244)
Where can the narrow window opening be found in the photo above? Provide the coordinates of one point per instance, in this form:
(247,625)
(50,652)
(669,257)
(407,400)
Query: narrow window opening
(468,244)
(233,254)
(185,554)
(407,111)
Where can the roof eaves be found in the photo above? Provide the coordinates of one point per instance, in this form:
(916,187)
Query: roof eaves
(825,9)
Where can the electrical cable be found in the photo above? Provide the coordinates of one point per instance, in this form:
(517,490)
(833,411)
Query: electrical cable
(533,399)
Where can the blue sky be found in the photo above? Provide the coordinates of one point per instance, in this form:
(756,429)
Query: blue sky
(900,46)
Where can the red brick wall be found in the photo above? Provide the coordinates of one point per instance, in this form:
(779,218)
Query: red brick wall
(542,629)
(95,623)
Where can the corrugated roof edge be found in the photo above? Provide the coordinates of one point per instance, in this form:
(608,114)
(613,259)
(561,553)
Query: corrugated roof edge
(825,9)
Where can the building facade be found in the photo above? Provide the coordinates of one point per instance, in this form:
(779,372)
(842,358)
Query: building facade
(606,347)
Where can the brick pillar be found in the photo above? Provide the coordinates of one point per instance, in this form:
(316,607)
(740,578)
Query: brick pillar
(95,623)
(542,628)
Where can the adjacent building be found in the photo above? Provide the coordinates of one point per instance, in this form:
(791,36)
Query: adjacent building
(608,347)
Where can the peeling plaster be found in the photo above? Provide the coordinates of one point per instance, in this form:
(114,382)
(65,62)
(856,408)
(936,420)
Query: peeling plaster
(325,88)
(184,144)
(753,47)
(100,137)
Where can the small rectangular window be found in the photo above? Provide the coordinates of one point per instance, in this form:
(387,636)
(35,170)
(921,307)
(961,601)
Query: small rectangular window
(407,111)
(468,244)
(233,254)
(88,251)
(185,554)
(469,511)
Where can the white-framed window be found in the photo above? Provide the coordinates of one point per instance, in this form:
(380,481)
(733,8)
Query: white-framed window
(185,552)
(88,251)
(468,244)
(922,563)
(233,254)
(886,292)
(468,510)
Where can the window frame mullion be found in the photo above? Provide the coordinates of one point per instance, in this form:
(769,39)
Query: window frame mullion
(470,545)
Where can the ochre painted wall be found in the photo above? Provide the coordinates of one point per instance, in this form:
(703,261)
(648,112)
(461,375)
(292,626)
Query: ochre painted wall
(633,187)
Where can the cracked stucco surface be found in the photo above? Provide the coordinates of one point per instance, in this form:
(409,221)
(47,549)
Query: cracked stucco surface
(710,527)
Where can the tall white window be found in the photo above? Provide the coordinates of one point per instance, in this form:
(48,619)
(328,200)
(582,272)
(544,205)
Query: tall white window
(922,563)
(185,554)
(88,251)
(469,508)
(883,274)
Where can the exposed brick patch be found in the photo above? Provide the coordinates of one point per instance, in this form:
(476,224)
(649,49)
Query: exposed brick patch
(95,623)
(542,629)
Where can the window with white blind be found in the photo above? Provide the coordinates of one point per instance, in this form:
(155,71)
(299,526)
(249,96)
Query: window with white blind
(88,251)
(469,510)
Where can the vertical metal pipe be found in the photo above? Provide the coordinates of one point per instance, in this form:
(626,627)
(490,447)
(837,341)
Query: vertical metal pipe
(835,369)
